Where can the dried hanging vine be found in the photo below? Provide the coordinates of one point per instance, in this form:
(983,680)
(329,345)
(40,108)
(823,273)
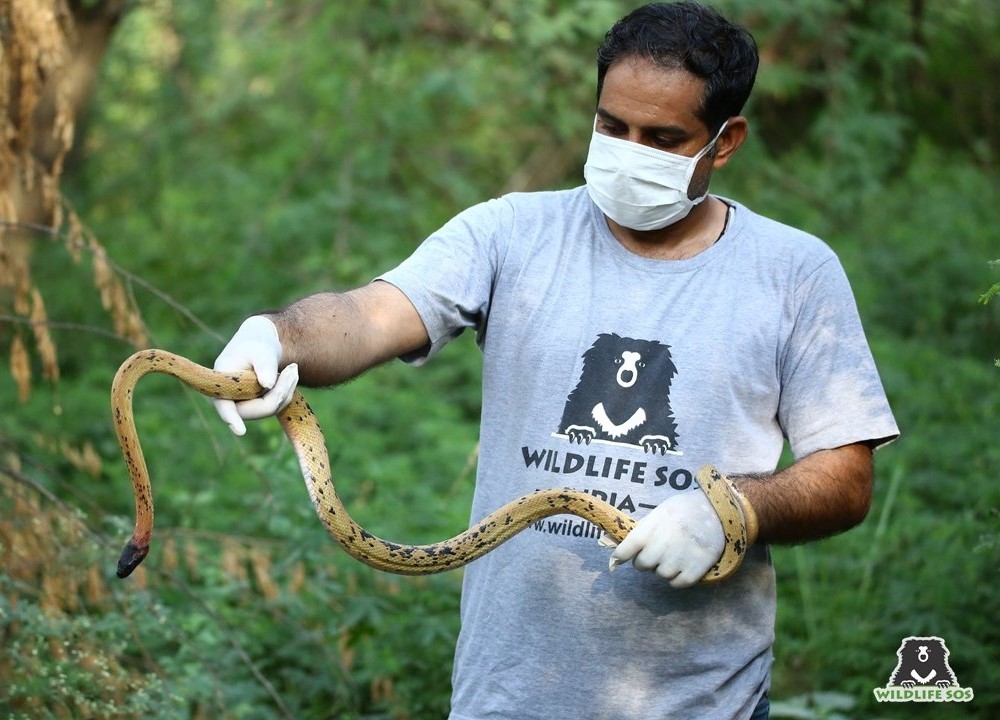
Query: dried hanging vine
(49,51)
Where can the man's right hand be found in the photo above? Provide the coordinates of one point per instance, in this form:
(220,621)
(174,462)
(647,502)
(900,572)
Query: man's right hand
(256,346)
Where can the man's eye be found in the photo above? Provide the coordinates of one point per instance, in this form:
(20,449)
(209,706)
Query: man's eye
(613,129)
(665,143)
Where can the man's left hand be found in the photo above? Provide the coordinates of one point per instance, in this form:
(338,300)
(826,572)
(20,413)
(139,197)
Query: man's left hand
(679,540)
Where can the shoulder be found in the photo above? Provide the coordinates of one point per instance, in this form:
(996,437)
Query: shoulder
(549,204)
(772,237)
(515,207)
(778,250)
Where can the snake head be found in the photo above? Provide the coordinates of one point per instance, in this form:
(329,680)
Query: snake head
(131,556)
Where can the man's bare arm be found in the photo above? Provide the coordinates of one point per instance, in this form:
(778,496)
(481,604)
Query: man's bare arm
(336,336)
(822,494)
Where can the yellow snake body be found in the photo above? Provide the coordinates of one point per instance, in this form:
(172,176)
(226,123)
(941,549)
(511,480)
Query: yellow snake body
(304,433)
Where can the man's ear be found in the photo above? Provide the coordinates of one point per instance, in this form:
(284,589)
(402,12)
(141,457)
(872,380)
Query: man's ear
(734,134)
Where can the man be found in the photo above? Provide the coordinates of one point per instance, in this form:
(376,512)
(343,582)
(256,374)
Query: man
(632,330)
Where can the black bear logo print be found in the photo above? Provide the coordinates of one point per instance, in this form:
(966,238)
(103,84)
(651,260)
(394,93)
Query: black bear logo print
(623,396)
(923,661)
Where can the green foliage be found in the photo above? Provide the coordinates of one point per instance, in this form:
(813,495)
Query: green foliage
(992,293)
(242,154)
(920,564)
(58,658)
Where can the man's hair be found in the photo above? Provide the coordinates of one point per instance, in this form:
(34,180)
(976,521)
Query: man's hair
(693,37)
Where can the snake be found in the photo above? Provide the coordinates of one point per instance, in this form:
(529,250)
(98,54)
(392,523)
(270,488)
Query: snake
(303,431)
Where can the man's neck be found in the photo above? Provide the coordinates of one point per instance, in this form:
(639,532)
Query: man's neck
(684,239)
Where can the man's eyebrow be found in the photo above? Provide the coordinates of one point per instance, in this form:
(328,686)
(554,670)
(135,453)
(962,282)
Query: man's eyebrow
(608,117)
(673,130)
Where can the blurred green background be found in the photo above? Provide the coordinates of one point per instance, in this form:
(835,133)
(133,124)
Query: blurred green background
(237,155)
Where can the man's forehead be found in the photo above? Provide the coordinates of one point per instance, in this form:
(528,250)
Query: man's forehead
(637,90)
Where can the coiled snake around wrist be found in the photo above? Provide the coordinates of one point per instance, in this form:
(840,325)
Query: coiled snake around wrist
(303,430)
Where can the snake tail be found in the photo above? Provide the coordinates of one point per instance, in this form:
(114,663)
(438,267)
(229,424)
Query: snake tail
(130,558)
(240,386)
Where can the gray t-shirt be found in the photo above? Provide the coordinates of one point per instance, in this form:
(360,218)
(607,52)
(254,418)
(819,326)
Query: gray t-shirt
(663,366)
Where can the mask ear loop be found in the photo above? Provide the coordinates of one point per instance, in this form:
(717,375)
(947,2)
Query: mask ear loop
(711,143)
(697,158)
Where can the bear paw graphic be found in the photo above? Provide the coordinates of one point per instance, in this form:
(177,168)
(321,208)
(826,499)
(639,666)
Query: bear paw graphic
(580,434)
(655,444)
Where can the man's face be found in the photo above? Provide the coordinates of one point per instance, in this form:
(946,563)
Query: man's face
(645,103)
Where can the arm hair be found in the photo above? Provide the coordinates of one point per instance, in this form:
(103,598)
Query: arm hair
(822,494)
(337,336)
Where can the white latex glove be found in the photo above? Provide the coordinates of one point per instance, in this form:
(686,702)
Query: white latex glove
(255,346)
(679,540)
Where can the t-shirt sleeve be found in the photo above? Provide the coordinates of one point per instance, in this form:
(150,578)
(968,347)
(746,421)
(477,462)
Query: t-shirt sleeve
(831,393)
(449,278)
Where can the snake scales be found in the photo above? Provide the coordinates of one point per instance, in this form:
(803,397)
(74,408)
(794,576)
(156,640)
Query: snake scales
(306,437)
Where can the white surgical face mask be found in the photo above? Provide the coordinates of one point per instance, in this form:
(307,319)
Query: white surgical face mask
(640,187)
